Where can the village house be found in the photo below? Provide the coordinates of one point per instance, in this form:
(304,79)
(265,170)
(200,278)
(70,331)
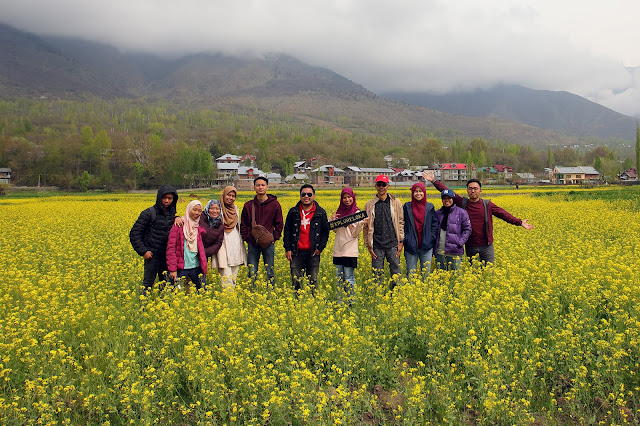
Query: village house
(487,174)
(248,160)
(364,176)
(229,158)
(524,178)
(407,176)
(505,172)
(574,175)
(327,174)
(227,166)
(630,175)
(297,178)
(455,172)
(5,175)
(245,176)
(301,167)
(227,173)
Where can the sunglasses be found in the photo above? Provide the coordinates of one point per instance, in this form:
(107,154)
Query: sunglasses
(381,184)
(306,194)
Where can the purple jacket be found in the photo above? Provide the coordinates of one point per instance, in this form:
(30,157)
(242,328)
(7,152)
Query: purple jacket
(458,231)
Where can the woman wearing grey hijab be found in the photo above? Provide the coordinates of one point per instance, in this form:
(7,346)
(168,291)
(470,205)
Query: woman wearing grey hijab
(211,221)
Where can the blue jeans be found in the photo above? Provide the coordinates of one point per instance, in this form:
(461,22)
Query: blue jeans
(448,263)
(346,282)
(425,262)
(253,259)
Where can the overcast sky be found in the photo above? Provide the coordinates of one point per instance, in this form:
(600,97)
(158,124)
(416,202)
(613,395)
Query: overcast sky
(587,47)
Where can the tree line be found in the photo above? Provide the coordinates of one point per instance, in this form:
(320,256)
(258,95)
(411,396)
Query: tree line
(129,144)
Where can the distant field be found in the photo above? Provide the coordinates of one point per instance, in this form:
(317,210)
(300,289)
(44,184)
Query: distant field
(550,335)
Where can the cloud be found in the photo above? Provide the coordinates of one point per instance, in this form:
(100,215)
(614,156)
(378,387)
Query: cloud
(584,47)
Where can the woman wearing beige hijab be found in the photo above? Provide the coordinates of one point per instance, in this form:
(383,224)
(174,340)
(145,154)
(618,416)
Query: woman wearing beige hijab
(185,252)
(231,255)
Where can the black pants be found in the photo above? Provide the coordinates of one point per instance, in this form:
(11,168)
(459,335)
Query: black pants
(194,275)
(156,266)
(310,264)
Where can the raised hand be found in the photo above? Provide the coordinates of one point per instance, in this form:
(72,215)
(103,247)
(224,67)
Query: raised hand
(430,176)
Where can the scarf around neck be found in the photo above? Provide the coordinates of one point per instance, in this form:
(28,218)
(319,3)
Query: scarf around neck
(213,221)
(229,213)
(445,217)
(190,227)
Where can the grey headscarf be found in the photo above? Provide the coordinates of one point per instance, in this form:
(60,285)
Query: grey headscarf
(215,222)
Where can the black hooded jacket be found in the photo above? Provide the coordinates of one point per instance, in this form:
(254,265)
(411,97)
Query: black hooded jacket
(151,230)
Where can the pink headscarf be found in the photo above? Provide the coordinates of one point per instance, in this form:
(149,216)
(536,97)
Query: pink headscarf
(190,227)
(343,210)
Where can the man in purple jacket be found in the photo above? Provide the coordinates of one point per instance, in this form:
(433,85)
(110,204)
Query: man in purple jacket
(481,240)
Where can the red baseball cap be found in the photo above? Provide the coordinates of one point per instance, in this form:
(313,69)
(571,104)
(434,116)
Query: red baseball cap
(382,178)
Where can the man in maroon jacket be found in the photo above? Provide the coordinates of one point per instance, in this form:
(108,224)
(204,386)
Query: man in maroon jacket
(268,213)
(481,240)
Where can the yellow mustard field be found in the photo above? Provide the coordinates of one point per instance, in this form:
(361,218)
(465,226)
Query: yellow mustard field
(549,335)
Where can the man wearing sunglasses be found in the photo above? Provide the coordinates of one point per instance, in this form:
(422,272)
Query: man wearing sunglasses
(306,232)
(384,230)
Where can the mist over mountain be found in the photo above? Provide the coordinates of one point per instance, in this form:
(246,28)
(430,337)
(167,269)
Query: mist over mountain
(69,68)
(561,112)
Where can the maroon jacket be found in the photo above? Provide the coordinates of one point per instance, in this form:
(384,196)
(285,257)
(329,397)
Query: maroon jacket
(268,214)
(175,250)
(213,237)
(475,210)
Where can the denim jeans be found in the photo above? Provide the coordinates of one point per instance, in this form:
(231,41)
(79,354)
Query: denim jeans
(378,263)
(425,262)
(448,263)
(346,283)
(253,259)
(310,264)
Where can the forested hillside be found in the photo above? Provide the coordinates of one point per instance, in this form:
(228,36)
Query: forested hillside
(79,115)
(136,144)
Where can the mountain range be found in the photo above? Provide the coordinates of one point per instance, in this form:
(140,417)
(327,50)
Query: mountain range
(36,66)
(561,112)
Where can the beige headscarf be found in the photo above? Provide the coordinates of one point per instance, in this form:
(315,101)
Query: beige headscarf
(228,211)
(190,227)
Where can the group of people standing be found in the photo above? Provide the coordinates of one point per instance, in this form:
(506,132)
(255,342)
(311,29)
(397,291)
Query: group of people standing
(183,245)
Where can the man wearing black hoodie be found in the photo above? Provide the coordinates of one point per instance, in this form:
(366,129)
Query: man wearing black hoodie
(150,233)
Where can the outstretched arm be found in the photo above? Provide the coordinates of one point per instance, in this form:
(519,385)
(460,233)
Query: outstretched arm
(526,224)
(431,177)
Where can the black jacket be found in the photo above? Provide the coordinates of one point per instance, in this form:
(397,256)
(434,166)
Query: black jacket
(318,234)
(151,231)
(429,229)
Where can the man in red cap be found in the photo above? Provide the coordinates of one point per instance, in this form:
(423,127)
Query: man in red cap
(384,229)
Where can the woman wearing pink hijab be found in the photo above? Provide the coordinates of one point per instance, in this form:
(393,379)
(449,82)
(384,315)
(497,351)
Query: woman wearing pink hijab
(185,252)
(345,248)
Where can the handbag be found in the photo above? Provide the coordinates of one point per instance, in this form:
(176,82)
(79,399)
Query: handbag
(263,237)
